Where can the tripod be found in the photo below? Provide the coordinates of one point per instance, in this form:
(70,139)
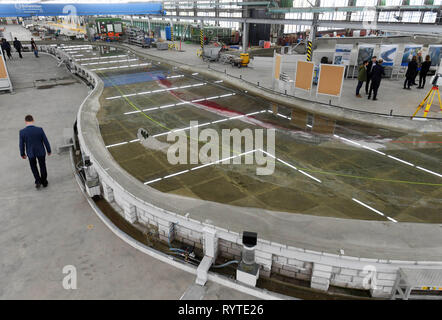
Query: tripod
(429,101)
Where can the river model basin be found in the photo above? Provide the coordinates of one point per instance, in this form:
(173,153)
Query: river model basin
(322,167)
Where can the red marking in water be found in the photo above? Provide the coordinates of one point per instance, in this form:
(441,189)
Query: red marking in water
(165,82)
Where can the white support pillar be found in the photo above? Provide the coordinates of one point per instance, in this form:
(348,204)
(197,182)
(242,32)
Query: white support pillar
(321,275)
(210,247)
(245,37)
(108,193)
(130,213)
(210,242)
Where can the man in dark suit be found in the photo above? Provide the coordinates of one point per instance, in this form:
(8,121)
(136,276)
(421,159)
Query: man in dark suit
(370,67)
(376,77)
(33,142)
(18,46)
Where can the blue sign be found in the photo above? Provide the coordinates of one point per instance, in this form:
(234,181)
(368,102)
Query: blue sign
(79,9)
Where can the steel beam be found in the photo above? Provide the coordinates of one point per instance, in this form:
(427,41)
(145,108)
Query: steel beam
(429,28)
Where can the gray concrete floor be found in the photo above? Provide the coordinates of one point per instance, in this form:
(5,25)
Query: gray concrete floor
(18,31)
(43,231)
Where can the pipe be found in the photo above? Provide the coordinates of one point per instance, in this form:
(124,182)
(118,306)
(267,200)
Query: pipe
(225,264)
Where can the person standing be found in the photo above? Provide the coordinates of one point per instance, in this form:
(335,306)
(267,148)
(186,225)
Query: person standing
(34,47)
(419,66)
(410,75)
(34,145)
(370,67)
(362,76)
(424,70)
(18,47)
(6,47)
(376,77)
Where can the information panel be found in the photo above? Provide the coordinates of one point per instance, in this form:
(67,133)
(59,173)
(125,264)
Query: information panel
(331,78)
(304,75)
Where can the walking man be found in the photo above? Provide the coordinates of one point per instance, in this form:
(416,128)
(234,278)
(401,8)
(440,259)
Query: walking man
(376,77)
(33,142)
(34,47)
(18,47)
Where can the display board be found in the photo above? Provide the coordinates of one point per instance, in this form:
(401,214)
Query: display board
(331,78)
(435,52)
(5,82)
(304,75)
(388,54)
(277,66)
(365,52)
(410,50)
(342,54)
(3,73)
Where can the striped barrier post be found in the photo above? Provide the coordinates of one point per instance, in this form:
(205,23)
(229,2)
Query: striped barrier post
(202,37)
(309,50)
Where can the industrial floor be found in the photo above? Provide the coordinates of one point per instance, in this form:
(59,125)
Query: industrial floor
(41,231)
(342,170)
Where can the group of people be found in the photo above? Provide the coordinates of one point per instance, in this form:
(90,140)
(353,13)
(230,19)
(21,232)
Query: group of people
(417,66)
(371,73)
(6,48)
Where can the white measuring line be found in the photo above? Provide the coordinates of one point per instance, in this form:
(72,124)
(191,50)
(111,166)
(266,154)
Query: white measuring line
(389,156)
(132,65)
(178,104)
(200,167)
(112,61)
(187,128)
(280,115)
(373,209)
(230,158)
(155,91)
(77,52)
(101,58)
(76,46)
(207,123)
(291,166)
(85,46)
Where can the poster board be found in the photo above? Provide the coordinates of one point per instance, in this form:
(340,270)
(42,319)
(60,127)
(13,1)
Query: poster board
(365,52)
(5,82)
(435,52)
(304,75)
(277,66)
(388,54)
(342,54)
(331,79)
(410,50)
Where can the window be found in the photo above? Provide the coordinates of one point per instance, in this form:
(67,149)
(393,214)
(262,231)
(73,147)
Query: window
(429,17)
(230,24)
(363,3)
